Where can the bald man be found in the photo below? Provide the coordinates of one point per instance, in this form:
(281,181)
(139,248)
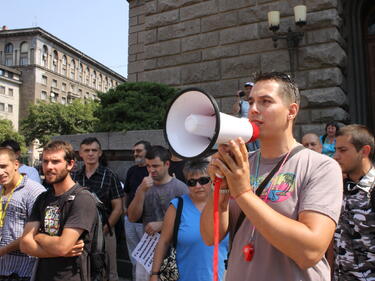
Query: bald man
(311,141)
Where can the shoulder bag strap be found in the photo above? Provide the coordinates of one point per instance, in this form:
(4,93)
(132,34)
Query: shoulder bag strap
(177,220)
(264,183)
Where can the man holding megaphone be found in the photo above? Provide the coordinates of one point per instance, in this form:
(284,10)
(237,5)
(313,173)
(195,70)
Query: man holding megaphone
(283,202)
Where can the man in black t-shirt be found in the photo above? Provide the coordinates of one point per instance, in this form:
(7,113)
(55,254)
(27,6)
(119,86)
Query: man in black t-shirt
(53,234)
(134,177)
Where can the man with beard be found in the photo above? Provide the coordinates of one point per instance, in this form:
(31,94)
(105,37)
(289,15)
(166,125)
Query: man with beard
(54,233)
(152,197)
(18,193)
(134,230)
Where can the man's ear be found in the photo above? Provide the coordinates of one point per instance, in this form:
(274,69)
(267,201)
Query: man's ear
(293,110)
(70,165)
(365,150)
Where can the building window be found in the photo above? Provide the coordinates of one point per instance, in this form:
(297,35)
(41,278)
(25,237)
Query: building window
(8,48)
(87,74)
(63,100)
(93,79)
(80,92)
(72,88)
(44,80)
(72,69)
(45,56)
(2,90)
(24,53)
(1,72)
(63,87)
(64,65)
(2,106)
(43,95)
(54,83)
(8,61)
(53,97)
(100,82)
(10,92)
(10,108)
(55,61)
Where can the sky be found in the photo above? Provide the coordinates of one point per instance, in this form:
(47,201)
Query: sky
(97,28)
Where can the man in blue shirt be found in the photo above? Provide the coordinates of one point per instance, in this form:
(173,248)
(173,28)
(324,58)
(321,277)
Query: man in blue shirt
(18,194)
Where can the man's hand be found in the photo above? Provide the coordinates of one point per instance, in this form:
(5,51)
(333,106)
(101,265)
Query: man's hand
(152,227)
(76,250)
(146,183)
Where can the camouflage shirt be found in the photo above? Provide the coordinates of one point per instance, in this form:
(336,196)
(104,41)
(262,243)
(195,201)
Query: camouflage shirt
(355,233)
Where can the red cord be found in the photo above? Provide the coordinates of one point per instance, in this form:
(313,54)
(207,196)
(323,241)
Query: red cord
(217,183)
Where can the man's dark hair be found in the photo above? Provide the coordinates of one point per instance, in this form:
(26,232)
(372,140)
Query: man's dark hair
(289,91)
(11,143)
(59,145)
(146,144)
(158,151)
(10,152)
(91,140)
(360,136)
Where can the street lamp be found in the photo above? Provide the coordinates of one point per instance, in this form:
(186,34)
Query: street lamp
(292,37)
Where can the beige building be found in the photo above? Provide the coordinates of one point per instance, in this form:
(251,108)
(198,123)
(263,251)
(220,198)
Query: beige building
(9,94)
(52,70)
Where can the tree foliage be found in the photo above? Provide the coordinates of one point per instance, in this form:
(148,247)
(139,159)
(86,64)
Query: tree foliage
(46,120)
(134,106)
(7,132)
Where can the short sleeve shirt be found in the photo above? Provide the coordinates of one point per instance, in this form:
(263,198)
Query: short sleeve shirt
(157,199)
(308,181)
(104,183)
(82,215)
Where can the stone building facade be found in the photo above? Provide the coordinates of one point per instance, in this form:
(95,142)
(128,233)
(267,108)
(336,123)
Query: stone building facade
(218,45)
(9,94)
(52,70)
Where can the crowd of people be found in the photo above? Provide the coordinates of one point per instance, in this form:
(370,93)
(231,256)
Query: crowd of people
(288,210)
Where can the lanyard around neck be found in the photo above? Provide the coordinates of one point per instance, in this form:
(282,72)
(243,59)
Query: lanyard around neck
(3,209)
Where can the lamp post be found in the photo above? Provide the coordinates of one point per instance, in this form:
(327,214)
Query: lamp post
(292,37)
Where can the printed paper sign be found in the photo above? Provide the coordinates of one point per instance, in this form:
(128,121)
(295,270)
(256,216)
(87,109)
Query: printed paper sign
(144,252)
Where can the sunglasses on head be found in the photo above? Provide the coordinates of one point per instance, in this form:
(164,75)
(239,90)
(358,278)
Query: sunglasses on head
(202,181)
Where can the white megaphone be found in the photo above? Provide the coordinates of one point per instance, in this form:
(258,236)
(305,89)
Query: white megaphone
(194,125)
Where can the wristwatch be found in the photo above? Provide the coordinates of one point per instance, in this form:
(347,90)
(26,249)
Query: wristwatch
(155,273)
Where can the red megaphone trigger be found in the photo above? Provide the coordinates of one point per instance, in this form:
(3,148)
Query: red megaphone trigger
(255,132)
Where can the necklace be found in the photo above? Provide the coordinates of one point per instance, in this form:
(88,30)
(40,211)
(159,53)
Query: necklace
(3,209)
(249,249)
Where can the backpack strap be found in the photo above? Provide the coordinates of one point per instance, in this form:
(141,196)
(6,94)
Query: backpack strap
(261,187)
(177,220)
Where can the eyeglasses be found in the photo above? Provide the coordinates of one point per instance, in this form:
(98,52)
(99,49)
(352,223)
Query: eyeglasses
(202,181)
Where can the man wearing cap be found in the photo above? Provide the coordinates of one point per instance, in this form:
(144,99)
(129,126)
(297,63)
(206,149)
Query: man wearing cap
(241,108)
(241,105)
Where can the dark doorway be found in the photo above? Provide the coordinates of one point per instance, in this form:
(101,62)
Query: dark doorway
(369,36)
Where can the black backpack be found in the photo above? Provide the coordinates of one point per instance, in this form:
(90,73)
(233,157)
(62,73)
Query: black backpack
(93,259)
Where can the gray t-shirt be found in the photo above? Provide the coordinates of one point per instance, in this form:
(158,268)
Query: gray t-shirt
(308,181)
(158,197)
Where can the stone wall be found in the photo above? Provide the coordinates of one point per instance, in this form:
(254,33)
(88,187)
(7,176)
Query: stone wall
(218,45)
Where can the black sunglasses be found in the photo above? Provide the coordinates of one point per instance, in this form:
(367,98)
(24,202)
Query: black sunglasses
(202,181)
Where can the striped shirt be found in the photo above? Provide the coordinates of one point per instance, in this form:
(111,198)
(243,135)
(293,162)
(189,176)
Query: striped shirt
(17,213)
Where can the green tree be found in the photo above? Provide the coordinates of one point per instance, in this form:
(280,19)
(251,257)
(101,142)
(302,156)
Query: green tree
(46,120)
(7,132)
(134,106)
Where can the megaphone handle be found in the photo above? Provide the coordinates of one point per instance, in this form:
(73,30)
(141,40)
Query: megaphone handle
(217,183)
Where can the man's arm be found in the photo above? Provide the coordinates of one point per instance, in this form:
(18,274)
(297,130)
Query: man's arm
(59,245)
(12,246)
(135,209)
(115,214)
(304,240)
(28,245)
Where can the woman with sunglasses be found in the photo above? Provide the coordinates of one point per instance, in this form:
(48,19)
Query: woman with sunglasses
(194,258)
